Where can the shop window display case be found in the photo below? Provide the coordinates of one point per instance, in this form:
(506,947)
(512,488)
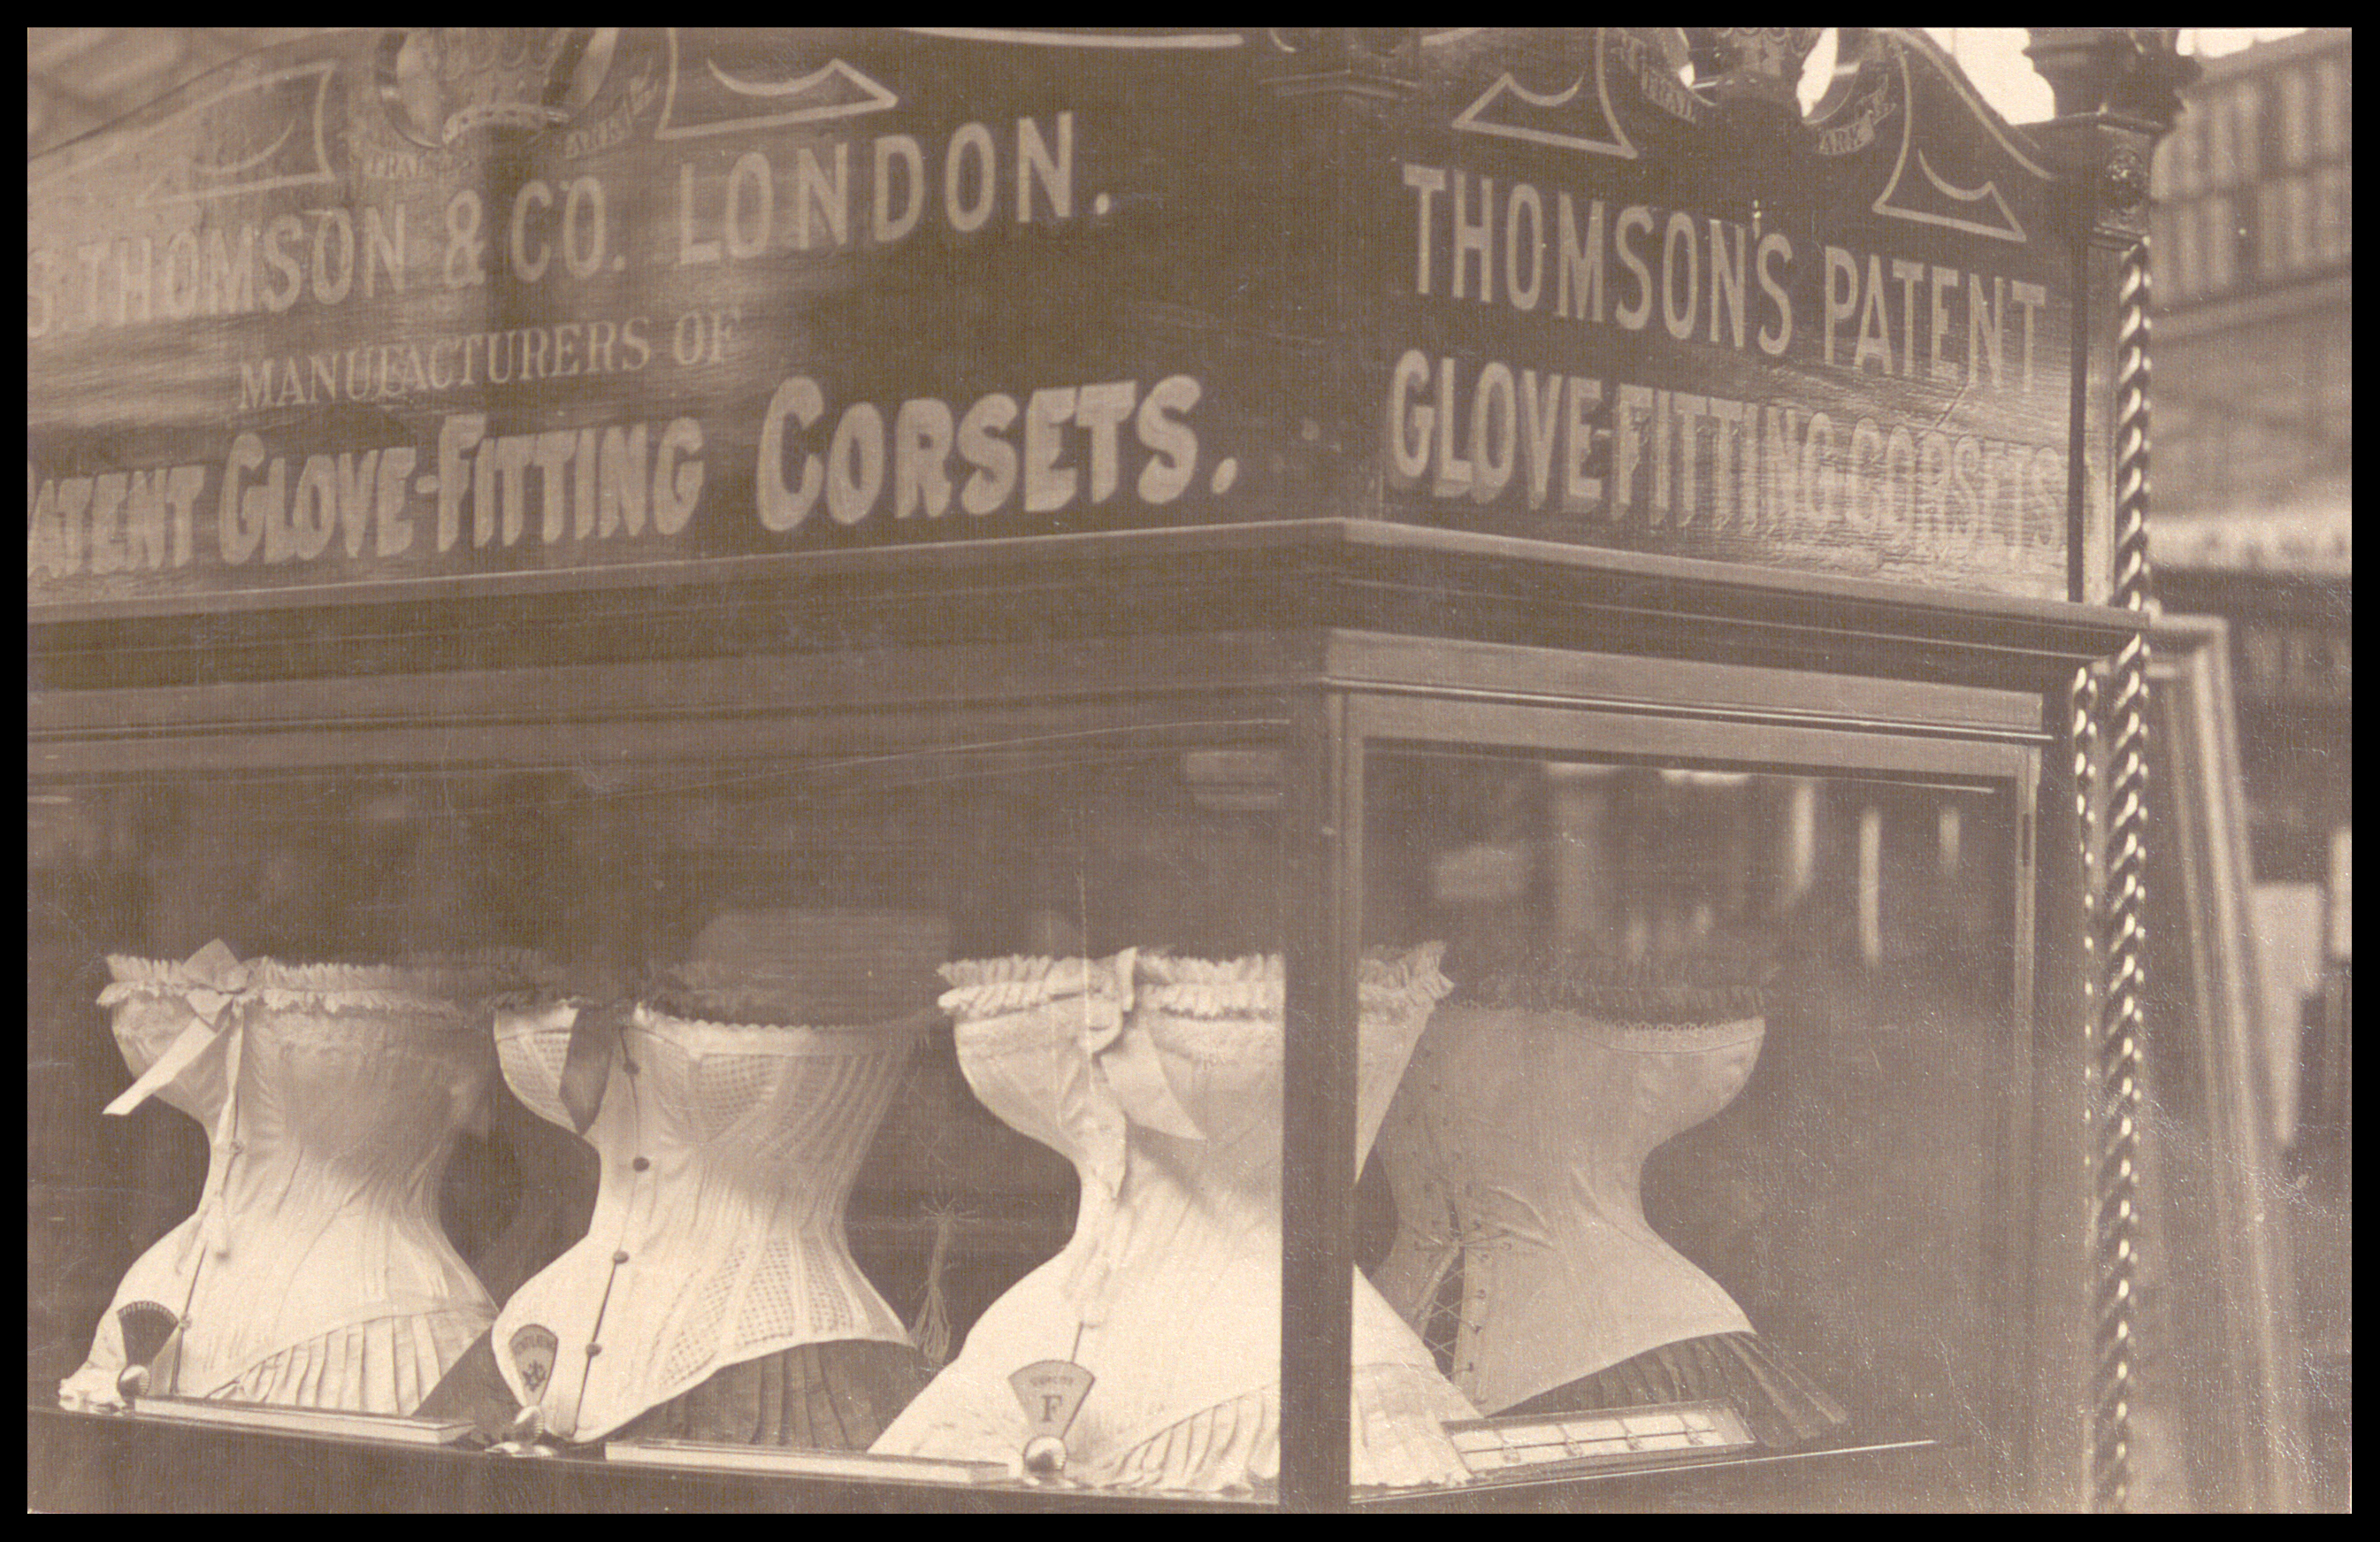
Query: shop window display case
(1362,906)
(1665,1143)
(936,1101)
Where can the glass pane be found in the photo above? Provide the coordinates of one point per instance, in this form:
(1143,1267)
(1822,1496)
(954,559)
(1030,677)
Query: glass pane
(1698,1156)
(927,1107)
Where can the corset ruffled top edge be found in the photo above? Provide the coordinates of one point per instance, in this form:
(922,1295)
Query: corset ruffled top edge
(1159,1076)
(216,1037)
(727,1151)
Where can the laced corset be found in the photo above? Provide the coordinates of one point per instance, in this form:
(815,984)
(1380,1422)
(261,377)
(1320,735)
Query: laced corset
(1160,1079)
(717,1236)
(314,1271)
(1516,1148)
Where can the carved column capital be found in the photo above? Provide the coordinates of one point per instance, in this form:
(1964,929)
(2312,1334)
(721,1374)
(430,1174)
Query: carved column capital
(2127,72)
(2118,91)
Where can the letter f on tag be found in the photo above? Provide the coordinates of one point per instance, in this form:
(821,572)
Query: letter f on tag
(1051,1394)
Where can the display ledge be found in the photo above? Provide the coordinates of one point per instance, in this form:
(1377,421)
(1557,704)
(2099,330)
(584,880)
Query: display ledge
(130,1463)
(1879,1476)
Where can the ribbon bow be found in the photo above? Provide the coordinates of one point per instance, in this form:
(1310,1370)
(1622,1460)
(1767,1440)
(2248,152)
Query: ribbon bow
(216,980)
(1121,1079)
(587,1062)
(1118,1080)
(218,983)
(606,994)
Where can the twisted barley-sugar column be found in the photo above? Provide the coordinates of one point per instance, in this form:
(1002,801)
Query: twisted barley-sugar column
(2083,741)
(2121,1020)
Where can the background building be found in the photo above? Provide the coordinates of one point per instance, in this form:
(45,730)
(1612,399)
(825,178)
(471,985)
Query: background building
(2254,434)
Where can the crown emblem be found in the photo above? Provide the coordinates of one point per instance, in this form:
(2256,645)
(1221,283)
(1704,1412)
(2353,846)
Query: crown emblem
(1759,62)
(441,83)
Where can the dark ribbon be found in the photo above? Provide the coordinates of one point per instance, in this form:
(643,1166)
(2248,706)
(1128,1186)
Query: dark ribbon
(587,1065)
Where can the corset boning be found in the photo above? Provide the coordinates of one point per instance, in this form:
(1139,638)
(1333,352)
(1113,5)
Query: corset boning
(1166,1094)
(1516,1149)
(717,1236)
(314,1272)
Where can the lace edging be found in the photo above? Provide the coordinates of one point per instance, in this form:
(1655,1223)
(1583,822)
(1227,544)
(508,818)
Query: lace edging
(992,987)
(750,998)
(1388,981)
(531,1018)
(459,984)
(648,1015)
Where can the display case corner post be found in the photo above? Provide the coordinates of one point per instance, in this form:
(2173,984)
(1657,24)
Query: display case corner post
(1326,803)
(2247,1444)
(2116,92)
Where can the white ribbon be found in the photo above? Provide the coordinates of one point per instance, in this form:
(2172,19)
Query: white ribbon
(1119,1080)
(217,980)
(216,990)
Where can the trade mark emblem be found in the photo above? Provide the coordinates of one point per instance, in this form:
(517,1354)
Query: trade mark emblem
(533,1349)
(441,83)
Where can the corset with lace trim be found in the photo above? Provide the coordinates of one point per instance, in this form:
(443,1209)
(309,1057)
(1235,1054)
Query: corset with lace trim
(717,1235)
(1515,1150)
(1160,1079)
(315,1272)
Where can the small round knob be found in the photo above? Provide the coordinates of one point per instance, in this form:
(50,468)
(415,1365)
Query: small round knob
(1045,1458)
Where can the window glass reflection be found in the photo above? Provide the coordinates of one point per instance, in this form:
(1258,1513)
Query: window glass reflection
(1706,1115)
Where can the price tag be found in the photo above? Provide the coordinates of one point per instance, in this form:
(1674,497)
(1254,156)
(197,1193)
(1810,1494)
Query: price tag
(1051,1394)
(1546,1443)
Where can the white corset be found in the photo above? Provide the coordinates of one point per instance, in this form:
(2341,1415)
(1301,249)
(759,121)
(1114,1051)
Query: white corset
(1160,1078)
(1516,1148)
(717,1235)
(314,1272)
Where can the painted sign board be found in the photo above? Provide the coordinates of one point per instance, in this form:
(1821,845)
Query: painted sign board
(1620,311)
(421,305)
